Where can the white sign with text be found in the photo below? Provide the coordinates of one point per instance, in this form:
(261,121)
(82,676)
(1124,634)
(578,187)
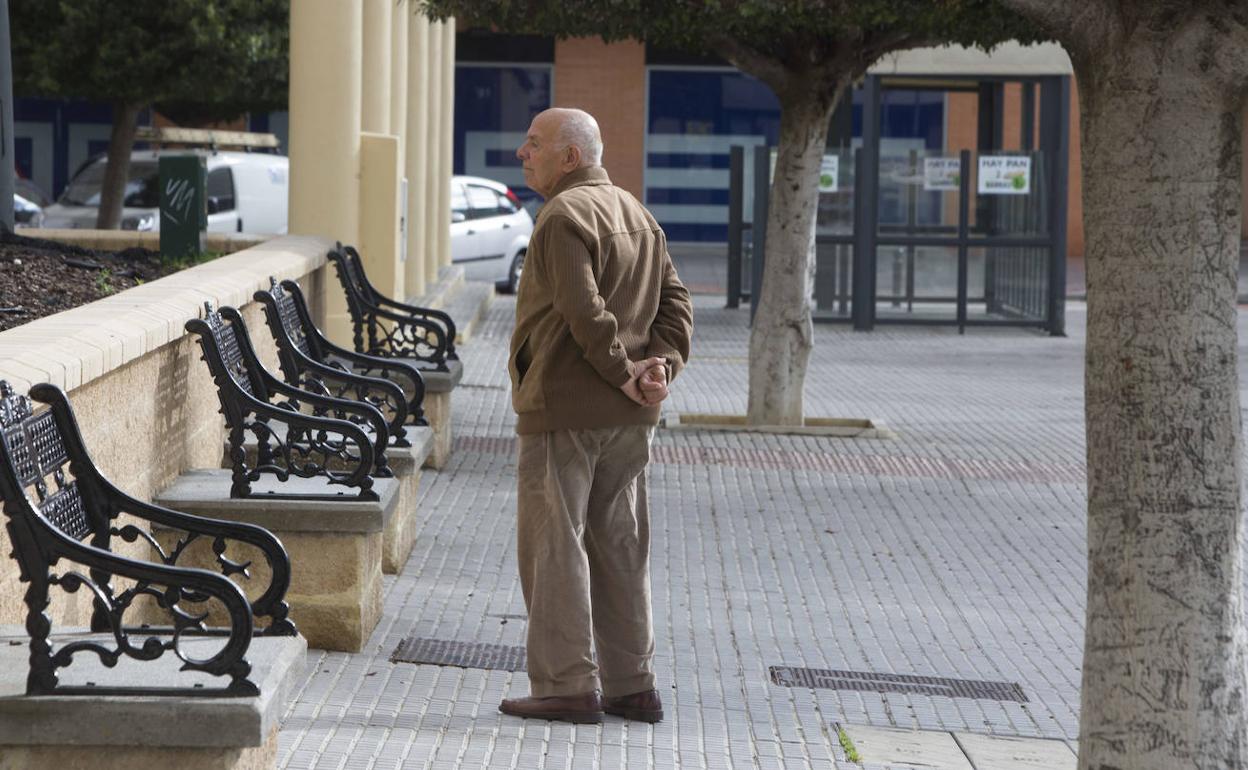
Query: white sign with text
(942,173)
(1004,175)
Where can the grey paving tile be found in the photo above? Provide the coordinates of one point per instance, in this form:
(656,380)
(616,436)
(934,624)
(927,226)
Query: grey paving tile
(954,550)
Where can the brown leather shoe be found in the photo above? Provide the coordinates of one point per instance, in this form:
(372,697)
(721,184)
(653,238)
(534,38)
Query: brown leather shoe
(641,706)
(585,708)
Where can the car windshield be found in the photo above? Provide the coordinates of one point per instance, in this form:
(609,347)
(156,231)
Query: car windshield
(142,190)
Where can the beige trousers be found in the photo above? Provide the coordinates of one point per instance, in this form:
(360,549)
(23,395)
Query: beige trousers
(583,537)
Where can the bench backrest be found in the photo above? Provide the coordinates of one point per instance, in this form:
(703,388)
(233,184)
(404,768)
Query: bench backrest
(351,276)
(292,320)
(230,355)
(34,454)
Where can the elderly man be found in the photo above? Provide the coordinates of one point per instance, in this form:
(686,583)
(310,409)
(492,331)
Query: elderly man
(602,325)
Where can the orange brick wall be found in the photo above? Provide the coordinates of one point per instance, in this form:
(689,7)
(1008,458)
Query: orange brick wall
(609,82)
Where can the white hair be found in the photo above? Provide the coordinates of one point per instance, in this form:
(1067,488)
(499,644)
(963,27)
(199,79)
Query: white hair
(580,130)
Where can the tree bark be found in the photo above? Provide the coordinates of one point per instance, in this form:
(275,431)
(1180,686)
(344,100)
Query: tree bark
(120,143)
(782,334)
(1164,655)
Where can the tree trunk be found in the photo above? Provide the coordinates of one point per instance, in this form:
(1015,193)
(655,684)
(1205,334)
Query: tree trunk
(1163,675)
(781,338)
(120,143)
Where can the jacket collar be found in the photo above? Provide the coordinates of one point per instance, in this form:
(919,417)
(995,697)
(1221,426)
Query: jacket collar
(589,175)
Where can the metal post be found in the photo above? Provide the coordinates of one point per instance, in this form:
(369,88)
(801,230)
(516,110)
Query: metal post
(866,205)
(736,221)
(1055,144)
(964,189)
(1028,125)
(758,228)
(6,121)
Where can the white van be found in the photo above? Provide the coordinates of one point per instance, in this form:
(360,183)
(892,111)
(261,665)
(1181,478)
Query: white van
(247,193)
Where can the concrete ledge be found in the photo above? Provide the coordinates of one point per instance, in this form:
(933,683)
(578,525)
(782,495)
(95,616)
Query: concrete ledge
(335,550)
(71,348)
(813,426)
(118,240)
(442,382)
(56,722)
(206,492)
(442,291)
(468,307)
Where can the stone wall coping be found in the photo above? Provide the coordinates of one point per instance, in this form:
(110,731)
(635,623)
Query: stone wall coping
(73,347)
(165,720)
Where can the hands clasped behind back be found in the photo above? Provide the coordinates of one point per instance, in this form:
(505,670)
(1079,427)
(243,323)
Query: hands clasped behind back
(649,383)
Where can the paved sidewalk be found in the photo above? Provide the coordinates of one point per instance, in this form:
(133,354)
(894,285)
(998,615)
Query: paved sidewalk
(952,552)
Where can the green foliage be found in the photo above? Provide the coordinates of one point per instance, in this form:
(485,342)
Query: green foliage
(212,59)
(794,33)
(104,283)
(851,752)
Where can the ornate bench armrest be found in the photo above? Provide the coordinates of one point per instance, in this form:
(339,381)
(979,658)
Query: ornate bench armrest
(381,394)
(271,604)
(420,312)
(409,338)
(355,413)
(318,431)
(172,589)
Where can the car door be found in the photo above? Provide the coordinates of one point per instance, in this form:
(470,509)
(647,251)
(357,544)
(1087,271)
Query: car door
(222,201)
(465,245)
(494,231)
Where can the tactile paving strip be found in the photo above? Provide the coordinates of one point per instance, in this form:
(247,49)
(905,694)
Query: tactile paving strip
(866,681)
(906,466)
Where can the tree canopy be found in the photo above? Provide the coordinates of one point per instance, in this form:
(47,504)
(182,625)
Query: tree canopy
(809,52)
(211,59)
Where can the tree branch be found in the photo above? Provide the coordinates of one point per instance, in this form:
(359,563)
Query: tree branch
(751,61)
(1081,26)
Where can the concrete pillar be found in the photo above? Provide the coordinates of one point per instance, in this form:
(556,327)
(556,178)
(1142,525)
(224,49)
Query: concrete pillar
(375,102)
(379,212)
(447,116)
(325,72)
(398,69)
(417,152)
(435,175)
(608,80)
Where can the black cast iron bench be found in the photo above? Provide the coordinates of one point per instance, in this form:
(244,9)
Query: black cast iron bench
(296,432)
(62,517)
(310,361)
(390,329)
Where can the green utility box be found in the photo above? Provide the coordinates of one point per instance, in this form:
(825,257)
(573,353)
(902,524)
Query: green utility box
(183,205)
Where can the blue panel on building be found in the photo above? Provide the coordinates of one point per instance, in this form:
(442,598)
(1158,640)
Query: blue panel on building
(494,104)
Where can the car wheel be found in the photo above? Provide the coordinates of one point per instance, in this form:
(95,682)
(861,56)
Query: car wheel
(512,283)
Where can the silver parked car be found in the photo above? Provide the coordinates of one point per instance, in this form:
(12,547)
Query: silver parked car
(490,231)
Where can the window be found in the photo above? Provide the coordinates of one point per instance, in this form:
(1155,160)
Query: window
(459,203)
(483,202)
(220,190)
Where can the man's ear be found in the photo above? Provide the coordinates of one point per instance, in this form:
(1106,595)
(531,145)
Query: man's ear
(572,158)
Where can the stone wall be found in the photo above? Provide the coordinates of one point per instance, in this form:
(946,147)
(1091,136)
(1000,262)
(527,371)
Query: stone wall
(145,401)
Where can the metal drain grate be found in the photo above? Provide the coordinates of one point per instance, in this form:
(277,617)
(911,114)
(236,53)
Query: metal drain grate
(866,681)
(444,652)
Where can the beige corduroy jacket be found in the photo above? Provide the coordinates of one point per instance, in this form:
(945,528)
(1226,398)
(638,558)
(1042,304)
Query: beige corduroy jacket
(598,292)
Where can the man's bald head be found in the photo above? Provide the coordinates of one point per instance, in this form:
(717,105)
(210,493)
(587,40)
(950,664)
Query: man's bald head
(577,128)
(560,140)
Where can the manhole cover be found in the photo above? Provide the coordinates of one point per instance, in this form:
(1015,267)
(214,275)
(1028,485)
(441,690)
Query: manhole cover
(444,652)
(866,681)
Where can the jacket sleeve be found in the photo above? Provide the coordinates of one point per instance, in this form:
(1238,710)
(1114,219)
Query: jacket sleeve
(570,269)
(672,329)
